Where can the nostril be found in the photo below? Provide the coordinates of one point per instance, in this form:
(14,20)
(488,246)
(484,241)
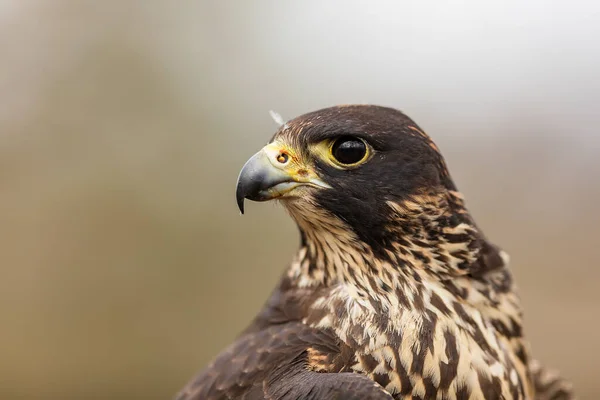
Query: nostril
(283,158)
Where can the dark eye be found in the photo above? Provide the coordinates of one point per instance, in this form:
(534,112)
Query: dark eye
(349,150)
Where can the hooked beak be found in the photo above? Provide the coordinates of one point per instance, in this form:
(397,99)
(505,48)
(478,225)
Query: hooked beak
(271,173)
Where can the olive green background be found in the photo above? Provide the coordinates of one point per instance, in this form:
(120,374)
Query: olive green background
(124,263)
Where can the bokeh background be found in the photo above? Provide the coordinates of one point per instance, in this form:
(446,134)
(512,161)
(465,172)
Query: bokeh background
(124,263)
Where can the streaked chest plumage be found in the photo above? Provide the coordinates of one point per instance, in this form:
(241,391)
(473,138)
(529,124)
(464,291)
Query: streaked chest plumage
(429,318)
(434,347)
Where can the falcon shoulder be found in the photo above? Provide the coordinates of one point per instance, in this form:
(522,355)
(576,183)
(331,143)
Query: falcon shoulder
(278,358)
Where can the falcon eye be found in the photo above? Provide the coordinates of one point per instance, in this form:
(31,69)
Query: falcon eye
(349,150)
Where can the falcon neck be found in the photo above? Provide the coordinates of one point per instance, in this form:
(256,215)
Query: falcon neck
(431,235)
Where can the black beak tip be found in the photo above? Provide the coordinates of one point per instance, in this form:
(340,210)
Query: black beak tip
(240,197)
(240,203)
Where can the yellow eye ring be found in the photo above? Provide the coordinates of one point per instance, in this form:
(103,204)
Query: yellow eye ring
(349,151)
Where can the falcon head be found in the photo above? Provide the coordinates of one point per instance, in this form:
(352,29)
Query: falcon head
(365,174)
(350,161)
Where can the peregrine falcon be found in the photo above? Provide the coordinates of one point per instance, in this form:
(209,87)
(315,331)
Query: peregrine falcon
(395,292)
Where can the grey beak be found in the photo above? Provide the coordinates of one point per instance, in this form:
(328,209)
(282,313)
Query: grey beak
(260,180)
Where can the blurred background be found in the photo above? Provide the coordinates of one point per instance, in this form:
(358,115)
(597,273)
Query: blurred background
(124,263)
